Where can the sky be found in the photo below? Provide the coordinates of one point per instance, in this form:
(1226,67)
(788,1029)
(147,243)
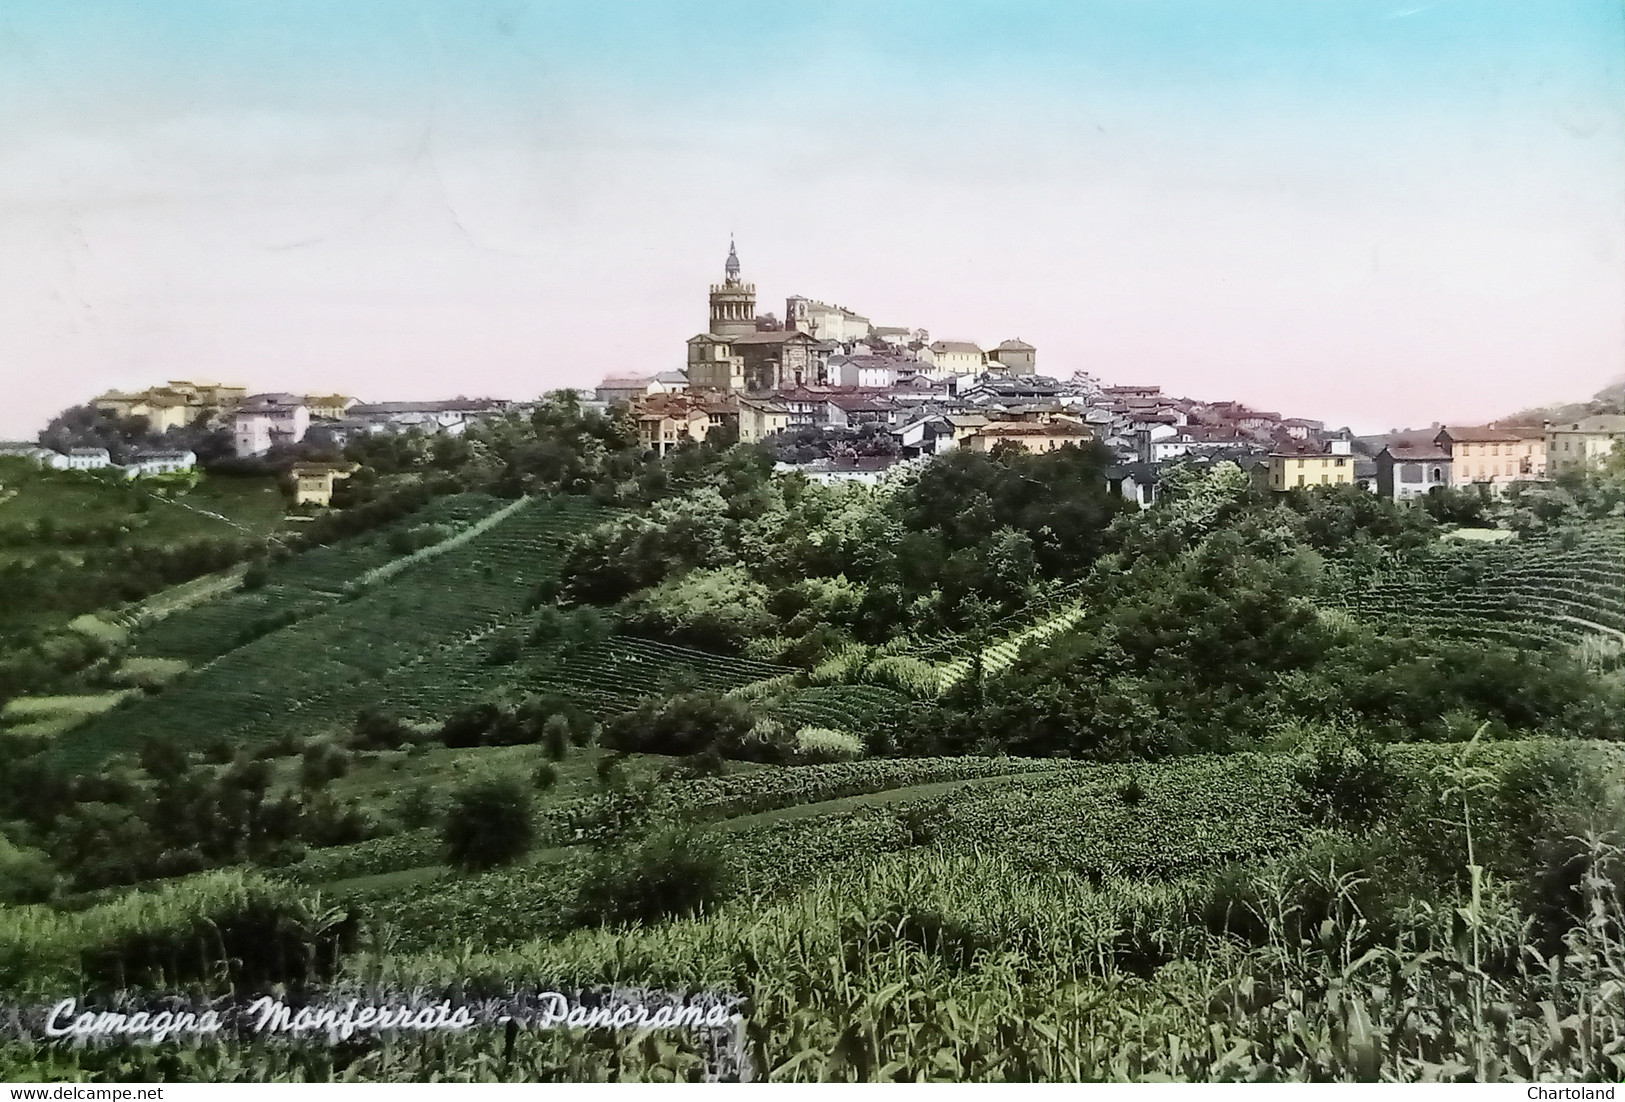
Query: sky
(1374,212)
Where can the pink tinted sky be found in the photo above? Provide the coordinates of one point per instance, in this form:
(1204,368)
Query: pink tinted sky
(1373,213)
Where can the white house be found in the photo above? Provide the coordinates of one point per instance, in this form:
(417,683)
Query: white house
(869,470)
(143,464)
(266,420)
(87,459)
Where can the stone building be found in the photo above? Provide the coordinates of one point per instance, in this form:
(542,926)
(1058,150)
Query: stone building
(779,360)
(1016,356)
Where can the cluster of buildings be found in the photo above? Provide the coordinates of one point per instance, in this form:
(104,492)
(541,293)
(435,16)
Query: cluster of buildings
(828,367)
(140,465)
(260,422)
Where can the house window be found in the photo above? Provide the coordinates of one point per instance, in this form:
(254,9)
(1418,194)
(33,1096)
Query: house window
(1300,477)
(1438,475)
(1337,462)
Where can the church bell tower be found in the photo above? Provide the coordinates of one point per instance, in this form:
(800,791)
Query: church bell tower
(733,303)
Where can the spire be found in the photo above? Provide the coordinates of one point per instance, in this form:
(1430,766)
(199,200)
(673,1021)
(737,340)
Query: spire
(731,269)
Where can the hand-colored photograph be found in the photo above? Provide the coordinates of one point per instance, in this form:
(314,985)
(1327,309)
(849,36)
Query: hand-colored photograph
(556,541)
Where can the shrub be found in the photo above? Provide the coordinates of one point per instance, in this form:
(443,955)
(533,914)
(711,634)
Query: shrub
(823,744)
(418,806)
(556,737)
(376,730)
(670,870)
(506,648)
(1131,792)
(546,776)
(1346,781)
(26,875)
(683,724)
(322,762)
(488,824)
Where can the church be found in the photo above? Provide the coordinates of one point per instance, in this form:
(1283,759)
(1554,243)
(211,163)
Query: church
(743,352)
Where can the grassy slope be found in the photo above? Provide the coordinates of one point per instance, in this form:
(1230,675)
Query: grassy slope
(242,506)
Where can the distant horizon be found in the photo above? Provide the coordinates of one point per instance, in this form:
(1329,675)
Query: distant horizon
(1363,212)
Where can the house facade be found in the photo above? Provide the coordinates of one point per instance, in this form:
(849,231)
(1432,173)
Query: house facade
(313,482)
(1497,456)
(1583,444)
(150,463)
(1406,470)
(950,358)
(1307,467)
(1015,356)
(266,420)
(1028,435)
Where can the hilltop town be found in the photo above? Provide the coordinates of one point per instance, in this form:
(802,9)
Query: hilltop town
(840,398)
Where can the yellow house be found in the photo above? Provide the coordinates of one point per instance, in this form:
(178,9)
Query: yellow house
(1030,436)
(1291,470)
(329,407)
(313,482)
(1576,445)
(176,404)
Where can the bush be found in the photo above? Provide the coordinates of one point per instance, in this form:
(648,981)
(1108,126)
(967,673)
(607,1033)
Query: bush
(375,730)
(668,871)
(506,648)
(1346,781)
(1131,792)
(546,777)
(26,875)
(322,762)
(488,824)
(556,737)
(684,724)
(418,806)
(823,744)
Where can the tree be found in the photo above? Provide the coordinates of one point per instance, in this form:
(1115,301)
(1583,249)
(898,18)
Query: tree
(556,737)
(488,824)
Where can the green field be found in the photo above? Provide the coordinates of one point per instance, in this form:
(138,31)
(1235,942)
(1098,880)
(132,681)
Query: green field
(52,715)
(217,506)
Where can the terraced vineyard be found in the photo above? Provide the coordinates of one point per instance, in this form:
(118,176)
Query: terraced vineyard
(414,638)
(296,587)
(852,708)
(1561,587)
(614,675)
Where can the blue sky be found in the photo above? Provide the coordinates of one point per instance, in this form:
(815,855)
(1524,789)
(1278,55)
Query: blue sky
(1375,213)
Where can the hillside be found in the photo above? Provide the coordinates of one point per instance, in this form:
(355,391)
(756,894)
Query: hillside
(1564,587)
(336,630)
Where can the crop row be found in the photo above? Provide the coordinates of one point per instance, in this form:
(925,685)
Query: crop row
(298,586)
(314,674)
(1536,590)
